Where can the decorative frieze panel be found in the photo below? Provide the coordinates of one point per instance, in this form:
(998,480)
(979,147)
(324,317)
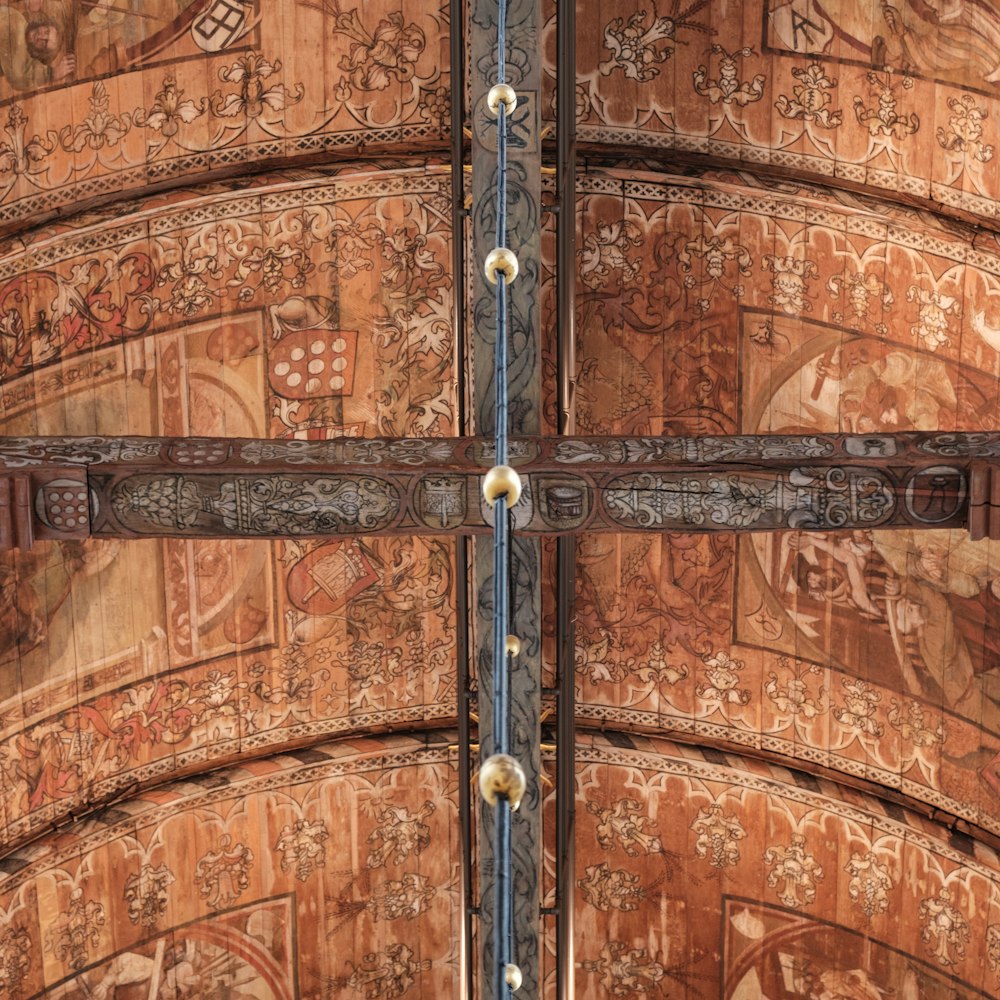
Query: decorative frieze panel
(232,488)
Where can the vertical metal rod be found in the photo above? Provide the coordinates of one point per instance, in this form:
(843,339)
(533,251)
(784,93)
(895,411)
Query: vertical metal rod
(501,372)
(501,612)
(502,176)
(565,764)
(504,903)
(466,973)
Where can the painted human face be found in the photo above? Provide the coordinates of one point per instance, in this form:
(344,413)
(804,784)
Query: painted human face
(43,38)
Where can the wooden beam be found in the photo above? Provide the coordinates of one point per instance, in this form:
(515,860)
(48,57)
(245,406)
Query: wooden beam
(202,487)
(472,454)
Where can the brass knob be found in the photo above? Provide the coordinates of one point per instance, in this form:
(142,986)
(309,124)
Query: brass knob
(502,480)
(501,93)
(512,976)
(502,775)
(501,259)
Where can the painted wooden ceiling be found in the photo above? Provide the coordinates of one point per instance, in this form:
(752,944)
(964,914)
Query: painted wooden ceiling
(227,766)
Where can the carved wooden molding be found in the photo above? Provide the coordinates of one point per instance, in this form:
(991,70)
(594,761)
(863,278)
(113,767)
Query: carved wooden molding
(200,487)
(471,454)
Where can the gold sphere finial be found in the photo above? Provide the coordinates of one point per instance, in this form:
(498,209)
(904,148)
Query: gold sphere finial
(501,93)
(513,645)
(502,775)
(502,260)
(512,976)
(500,481)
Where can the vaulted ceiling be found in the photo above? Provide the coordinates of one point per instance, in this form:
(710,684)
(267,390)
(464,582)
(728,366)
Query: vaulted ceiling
(229,765)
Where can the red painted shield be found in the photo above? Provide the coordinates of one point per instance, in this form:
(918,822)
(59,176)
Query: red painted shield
(329,577)
(313,364)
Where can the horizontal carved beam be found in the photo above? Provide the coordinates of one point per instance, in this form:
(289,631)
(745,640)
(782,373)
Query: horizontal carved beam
(465,454)
(206,487)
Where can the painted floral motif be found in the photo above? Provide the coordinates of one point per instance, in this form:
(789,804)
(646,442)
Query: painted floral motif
(594,659)
(98,302)
(223,873)
(945,929)
(375,665)
(729,88)
(884,119)
(15,960)
(78,930)
(20,155)
(723,673)
(186,274)
(719,834)
(860,705)
(650,501)
(168,111)
(715,252)
(100,128)
(302,847)
(222,701)
(740,502)
(626,971)
(861,290)
(606,252)
(403,898)
(912,726)
(623,825)
(294,679)
(657,669)
(610,890)
(790,289)
(146,894)
(280,264)
(384,975)
(253,99)
(993,947)
(399,834)
(933,310)
(795,697)
(795,873)
(870,883)
(635,44)
(964,133)
(378,59)
(811,102)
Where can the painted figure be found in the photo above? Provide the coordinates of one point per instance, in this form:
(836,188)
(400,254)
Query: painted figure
(932,593)
(942,36)
(888,390)
(44,42)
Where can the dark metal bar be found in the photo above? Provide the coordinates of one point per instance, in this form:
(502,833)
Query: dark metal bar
(504,926)
(501,614)
(466,966)
(502,175)
(566,220)
(503,403)
(565,764)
